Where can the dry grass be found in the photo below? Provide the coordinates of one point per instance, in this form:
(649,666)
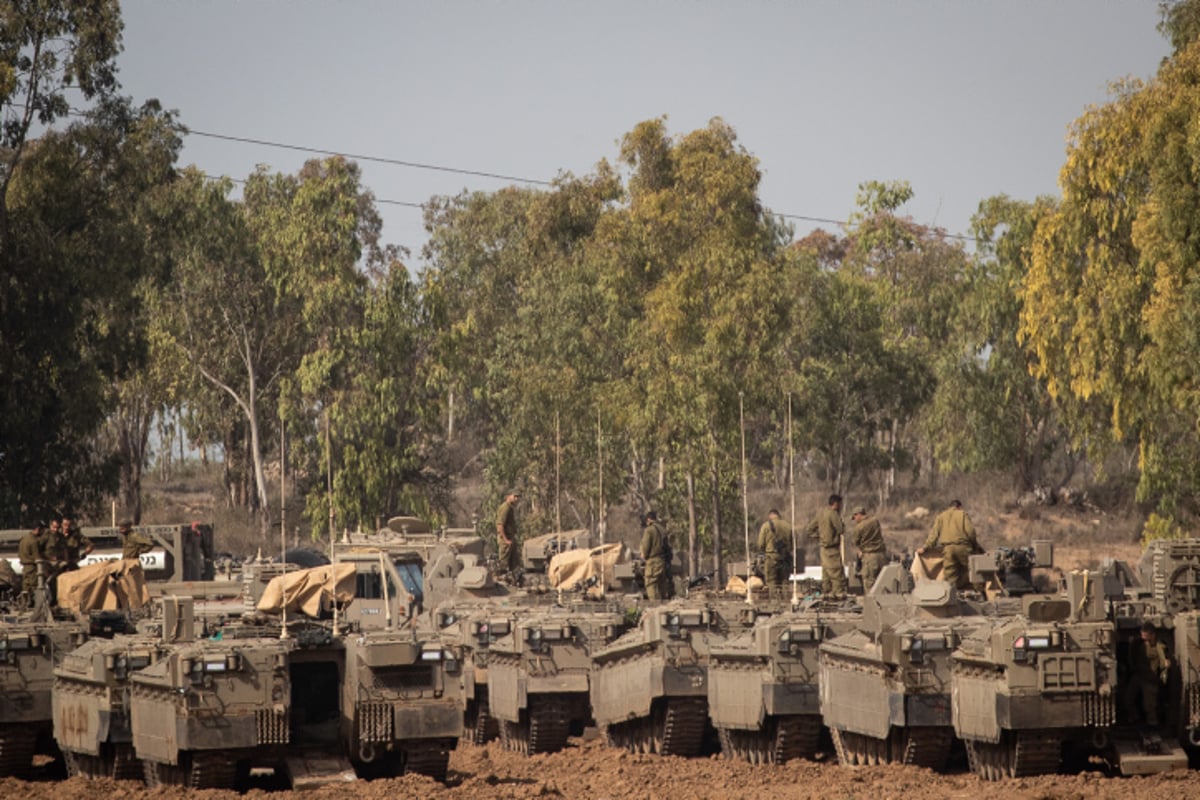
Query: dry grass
(1082,538)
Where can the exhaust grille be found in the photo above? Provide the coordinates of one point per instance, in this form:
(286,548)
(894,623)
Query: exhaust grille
(272,726)
(374,722)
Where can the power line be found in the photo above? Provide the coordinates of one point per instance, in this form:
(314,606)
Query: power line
(357,157)
(457,171)
(441,168)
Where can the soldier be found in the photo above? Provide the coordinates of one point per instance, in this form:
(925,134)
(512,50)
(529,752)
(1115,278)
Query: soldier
(775,542)
(828,528)
(134,544)
(74,542)
(953,531)
(506,532)
(30,551)
(655,547)
(54,548)
(868,538)
(1151,667)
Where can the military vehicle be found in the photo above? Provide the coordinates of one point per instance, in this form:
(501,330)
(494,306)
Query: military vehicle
(333,679)
(97,601)
(91,698)
(885,688)
(763,694)
(538,675)
(1024,685)
(29,651)
(540,672)
(649,688)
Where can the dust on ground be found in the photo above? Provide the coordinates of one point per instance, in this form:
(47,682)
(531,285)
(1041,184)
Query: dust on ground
(592,770)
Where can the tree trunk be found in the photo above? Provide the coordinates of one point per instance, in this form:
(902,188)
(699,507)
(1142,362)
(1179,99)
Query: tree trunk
(715,481)
(693,561)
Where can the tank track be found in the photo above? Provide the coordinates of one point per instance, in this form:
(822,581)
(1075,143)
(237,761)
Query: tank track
(683,723)
(482,727)
(16,750)
(1017,754)
(544,728)
(115,761)
(430,757)
(209,770)
(796,736)
(920,747)
(549,723)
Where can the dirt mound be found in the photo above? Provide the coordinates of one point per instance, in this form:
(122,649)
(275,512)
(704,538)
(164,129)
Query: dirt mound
(591,770)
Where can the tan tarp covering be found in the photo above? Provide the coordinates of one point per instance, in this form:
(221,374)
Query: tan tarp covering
(570,568)
(105,586)
(927,566)
(309,591)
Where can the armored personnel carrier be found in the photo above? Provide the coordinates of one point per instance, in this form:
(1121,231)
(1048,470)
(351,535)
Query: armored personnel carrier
(763,694)
(1024,685)
(91,697)
(95,601)
(29,651)
(885,688)
(538,675)
(207,711)
(649,688)
(333,679)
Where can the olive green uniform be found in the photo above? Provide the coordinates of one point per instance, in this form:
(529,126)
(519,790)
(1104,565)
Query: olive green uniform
(775,542)
(29,552)
(135,544)
(506,519)
(868,538)
(75,545)
(954,533)
(654,553)
(828,528)
(1150,665)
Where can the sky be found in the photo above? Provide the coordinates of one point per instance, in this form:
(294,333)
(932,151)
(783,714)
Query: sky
(964,99)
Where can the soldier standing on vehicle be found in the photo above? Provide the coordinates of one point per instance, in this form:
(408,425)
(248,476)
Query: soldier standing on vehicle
(134,543)
(506,532)
(829,528)
(655,547)
(54,548)
(74,542)
(1151,668)
(954,533)
(29,552)
(775,543)
(868,538)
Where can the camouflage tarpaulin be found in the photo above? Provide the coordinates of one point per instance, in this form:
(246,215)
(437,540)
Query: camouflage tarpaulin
(106,586)
(576,567)
(309,591)
(927,566)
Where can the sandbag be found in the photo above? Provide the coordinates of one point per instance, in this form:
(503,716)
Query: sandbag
(104,586)
(737,584)
(309,591)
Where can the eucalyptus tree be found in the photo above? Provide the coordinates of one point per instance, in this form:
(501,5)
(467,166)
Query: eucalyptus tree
(1112,298)
(75,256)
(695,262)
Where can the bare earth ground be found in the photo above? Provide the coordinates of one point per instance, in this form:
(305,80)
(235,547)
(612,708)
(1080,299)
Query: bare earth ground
(591,770)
